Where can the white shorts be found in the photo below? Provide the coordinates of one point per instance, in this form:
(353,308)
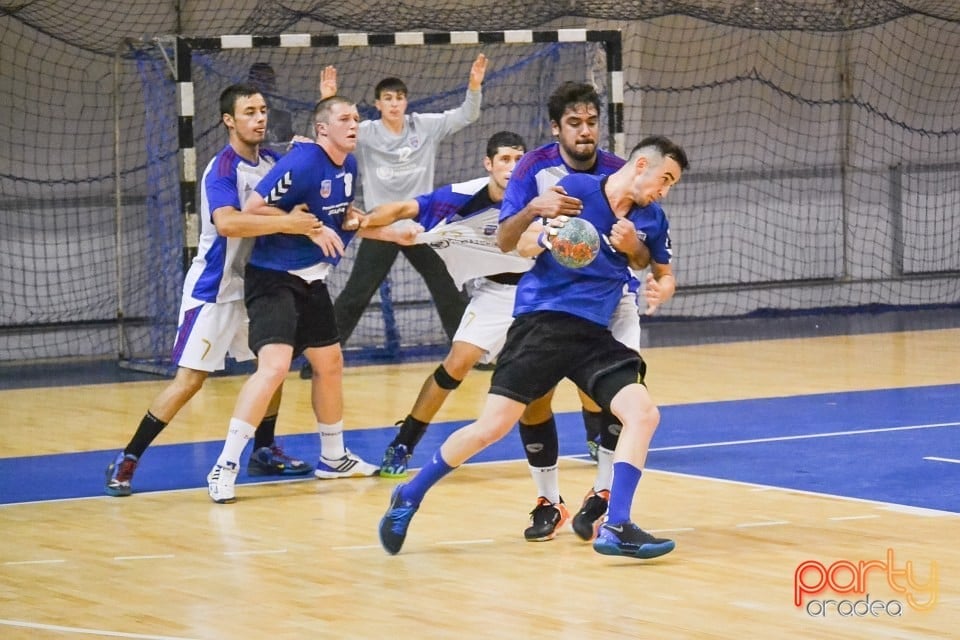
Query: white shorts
(208,331)
(487,317)
(625,322)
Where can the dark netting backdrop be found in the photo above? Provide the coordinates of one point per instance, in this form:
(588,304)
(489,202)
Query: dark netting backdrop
(823,135)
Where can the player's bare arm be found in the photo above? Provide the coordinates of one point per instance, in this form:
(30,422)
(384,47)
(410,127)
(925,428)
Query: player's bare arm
(405,234)
(477,71)
(390,212)
(624,238)
(551,203)
(247,224)
(659,287)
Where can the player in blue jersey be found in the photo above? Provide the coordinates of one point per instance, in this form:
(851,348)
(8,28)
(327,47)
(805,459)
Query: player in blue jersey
(213,321)
(574,111)
(460,220)
(287,299)
(561,330)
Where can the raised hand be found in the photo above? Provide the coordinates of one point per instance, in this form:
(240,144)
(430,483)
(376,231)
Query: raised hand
(477,71)
(328,82)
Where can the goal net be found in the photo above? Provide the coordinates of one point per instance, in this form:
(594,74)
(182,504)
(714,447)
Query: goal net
(526,67)
(824,139)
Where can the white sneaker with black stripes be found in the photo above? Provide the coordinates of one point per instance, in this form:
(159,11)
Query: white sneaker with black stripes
(349,466)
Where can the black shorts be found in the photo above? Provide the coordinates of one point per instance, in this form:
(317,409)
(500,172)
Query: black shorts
(285,309)
(544,347)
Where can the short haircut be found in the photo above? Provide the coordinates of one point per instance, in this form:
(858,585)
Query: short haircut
(389,84)
(321,112)
(229,96)
(665,147)
(504,139)
(568,95)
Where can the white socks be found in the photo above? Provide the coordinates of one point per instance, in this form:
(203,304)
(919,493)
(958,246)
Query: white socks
(331,440)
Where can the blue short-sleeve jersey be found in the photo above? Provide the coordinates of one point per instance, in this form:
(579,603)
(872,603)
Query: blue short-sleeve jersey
(305,175)
(592,292)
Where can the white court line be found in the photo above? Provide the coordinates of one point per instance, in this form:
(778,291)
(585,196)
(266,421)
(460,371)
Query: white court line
(458,542)
(161,556)
(20,562)
(880,504)
(254,553)
(357,547)
(830,434)
(936,459)
(86,632)
(768,523)
(867,517)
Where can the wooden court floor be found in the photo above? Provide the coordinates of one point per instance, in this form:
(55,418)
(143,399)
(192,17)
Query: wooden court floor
(301,559)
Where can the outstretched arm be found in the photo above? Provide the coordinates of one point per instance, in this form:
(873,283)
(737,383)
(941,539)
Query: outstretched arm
(261,219)
(390,212)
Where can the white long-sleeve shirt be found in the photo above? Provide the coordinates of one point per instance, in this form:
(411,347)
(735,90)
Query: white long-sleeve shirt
(399,167)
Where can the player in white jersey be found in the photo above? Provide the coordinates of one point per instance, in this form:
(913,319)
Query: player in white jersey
(213,321)
(460,223)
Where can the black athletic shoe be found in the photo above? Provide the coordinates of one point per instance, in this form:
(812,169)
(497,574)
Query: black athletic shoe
(306,372)
(545,519)
(588,519)
(627,539)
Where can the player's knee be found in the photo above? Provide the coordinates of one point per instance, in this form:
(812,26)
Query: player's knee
(444,380)
(189,381)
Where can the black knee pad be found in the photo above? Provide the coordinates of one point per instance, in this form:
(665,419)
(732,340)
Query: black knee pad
(610,431)
(540,443)
(444,380)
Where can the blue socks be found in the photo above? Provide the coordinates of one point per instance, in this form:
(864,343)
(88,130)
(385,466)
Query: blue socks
(429,475)
(626,477)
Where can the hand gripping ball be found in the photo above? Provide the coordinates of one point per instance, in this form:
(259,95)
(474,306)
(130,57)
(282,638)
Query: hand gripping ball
(576,243)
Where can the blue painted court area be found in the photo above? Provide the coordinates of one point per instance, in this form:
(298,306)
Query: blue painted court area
(899,445)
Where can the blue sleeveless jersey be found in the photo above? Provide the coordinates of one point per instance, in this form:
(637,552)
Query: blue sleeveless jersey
(592,292)
(305,175)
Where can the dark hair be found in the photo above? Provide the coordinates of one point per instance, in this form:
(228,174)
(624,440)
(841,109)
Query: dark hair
(569,94)
(667,148)
(504,139)
(389,84)
(228,98)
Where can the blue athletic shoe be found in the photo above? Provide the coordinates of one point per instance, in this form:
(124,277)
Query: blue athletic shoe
(394,524)
(119,474)
(627,539)
(272,461)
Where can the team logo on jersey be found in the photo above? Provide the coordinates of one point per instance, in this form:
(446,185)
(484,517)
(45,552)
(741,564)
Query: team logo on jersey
(280,188)
(642,235)
(326,188)
(348,185)
(414,141)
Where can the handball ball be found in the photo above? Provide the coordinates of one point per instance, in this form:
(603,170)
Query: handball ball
(576,243)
